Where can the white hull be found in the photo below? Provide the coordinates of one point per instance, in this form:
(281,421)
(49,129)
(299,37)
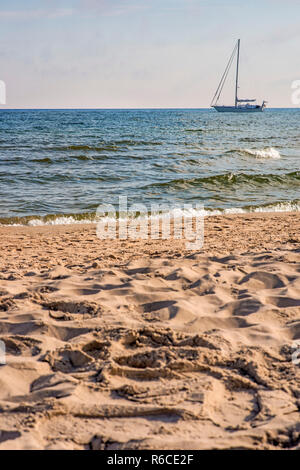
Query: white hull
(238,109)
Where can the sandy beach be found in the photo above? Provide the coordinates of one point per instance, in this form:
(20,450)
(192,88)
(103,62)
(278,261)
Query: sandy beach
(144,345)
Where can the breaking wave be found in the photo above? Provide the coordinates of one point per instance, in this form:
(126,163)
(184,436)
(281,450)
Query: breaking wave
(186,211)
(231,179)
(269,152)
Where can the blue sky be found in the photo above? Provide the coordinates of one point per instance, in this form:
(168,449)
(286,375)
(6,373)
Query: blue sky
(145,53)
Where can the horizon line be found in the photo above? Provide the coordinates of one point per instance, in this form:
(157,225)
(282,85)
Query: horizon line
(117,108)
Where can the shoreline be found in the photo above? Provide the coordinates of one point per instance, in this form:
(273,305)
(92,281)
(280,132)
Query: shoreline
(83,218)
(220,234)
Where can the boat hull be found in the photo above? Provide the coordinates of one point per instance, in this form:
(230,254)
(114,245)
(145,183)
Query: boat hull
(238,109)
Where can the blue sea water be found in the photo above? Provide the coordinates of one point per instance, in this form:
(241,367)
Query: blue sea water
(59,165)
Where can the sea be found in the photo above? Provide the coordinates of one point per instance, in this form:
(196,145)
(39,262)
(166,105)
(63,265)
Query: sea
(58,166)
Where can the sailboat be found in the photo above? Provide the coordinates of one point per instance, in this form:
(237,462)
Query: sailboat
(241,105)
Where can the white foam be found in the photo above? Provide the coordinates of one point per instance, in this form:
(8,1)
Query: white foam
(58,221)
(269,152)
(280,207)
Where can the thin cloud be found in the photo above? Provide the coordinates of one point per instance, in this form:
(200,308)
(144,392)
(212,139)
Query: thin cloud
(31,14)
(109,7)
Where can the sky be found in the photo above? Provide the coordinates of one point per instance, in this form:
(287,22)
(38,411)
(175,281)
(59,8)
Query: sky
(146,53)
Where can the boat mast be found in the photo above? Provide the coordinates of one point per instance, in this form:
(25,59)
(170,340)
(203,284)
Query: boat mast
(237,74)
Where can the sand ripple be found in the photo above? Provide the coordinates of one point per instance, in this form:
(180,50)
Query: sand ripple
(157,352)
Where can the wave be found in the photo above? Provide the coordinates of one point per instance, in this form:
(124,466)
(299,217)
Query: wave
(269,152)
(42,160)
(264,153)
(50,219)
(195,130)
(231,179)
(95,148)
(104,146)
(91,217)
